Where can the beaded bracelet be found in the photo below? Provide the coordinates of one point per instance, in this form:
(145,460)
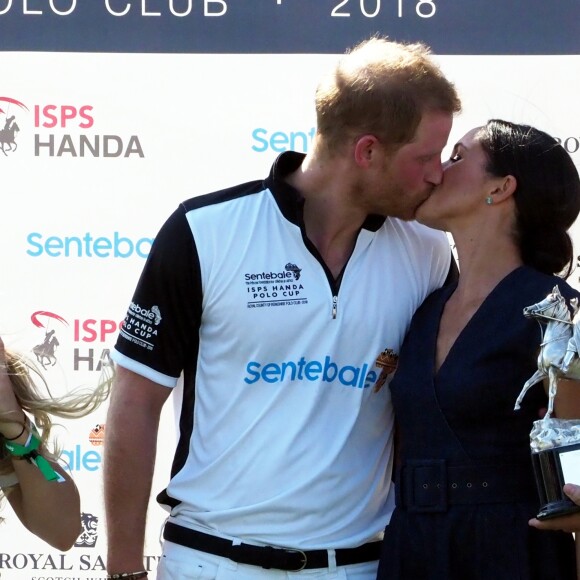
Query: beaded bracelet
(125,575)
(30,453)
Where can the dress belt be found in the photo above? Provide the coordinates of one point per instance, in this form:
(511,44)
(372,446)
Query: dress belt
(268,556)
(433,485)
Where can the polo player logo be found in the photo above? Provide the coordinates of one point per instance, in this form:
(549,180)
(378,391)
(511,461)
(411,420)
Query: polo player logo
(88,537)
(8,135)
(11,129)
(45,352)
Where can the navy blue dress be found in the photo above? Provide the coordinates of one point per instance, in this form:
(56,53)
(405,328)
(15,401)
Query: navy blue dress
(464,483)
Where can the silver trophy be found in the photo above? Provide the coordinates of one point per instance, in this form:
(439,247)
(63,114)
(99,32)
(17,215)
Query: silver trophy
(555,443)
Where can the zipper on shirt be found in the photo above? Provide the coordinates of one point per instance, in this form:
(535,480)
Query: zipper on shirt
(333,283)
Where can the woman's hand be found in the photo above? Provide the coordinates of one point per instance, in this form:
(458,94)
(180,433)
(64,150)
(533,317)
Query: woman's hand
(569,523)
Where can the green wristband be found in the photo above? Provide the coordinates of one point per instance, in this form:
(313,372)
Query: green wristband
(31,454)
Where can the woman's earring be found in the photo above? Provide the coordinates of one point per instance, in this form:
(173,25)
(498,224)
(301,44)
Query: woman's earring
(489,200)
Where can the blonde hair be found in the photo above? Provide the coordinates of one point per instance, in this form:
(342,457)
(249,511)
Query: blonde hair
(382,88)
(26,379)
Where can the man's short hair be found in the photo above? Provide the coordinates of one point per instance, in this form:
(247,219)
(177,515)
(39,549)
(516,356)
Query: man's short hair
(382,88)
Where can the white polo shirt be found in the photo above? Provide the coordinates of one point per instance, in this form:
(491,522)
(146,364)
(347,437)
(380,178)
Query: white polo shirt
(283,439)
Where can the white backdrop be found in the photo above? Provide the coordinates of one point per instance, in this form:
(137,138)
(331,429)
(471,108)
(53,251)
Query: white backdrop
(75,225)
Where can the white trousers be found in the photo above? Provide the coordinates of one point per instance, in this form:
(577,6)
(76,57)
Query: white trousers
(181,563)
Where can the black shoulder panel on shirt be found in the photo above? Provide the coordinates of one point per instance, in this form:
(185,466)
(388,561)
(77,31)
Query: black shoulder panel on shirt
(223,195)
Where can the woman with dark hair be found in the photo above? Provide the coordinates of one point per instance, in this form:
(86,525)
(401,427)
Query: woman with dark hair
(464,480)
(41,493)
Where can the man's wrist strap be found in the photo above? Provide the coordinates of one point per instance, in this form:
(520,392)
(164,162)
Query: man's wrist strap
(128,575)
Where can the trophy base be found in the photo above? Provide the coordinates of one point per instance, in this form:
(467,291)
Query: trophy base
(552,469)
(556,509)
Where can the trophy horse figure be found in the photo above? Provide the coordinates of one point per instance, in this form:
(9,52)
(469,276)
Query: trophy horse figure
(560,346)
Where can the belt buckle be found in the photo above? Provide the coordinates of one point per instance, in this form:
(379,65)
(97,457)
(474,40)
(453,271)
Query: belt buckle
(304,559)
(426,486)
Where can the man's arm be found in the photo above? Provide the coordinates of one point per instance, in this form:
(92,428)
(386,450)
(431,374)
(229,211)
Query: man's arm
(129,460)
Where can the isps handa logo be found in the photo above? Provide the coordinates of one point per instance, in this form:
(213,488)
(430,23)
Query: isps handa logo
(88,337)
(61,130)
(275,287)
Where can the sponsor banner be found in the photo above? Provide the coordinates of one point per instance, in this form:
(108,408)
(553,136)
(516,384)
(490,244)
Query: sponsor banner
(288,26)
(85,561)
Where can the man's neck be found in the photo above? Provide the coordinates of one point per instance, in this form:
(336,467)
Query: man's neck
(331,221)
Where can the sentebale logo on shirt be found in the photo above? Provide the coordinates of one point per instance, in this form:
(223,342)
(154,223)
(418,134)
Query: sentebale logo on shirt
(326,371)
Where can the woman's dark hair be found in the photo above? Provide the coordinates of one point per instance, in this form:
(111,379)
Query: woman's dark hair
(547,194)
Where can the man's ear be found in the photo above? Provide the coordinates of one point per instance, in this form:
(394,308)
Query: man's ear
(365,149)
